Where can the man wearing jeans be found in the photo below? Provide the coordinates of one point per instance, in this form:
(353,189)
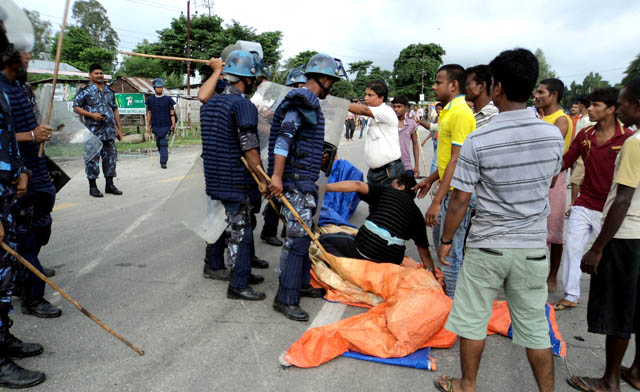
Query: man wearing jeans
(510,164)
(598,146)
(456,122)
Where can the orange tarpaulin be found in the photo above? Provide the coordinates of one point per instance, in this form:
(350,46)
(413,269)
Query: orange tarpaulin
(408,311)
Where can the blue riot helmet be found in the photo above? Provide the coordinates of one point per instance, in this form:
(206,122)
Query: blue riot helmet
(240,63)
(323,65)
(296,76)
(158,82)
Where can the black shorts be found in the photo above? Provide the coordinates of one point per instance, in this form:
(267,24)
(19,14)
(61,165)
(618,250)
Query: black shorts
(614,295)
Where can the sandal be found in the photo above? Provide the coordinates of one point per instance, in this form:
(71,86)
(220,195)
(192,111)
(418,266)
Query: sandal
(448,382)
(580,384)
(564,304)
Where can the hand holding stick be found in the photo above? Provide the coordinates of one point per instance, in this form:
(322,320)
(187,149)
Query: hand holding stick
(66,296)
(273,204)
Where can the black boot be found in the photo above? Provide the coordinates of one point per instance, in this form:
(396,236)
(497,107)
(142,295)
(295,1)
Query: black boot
(270,239)
(110,188)
(16,348)
(219,274)
(48,272)
(292,312)
(247,294)
(14,376)
(312,292)
(93,188)
(257,262)
(40,307)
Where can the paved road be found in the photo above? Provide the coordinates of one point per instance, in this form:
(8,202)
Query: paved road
(125,260)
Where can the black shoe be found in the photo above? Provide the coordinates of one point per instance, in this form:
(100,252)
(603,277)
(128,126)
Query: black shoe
(283,233)
(220,274)
(40,308)
(312,292)
(110,188)
(259,263)
(247,294)
(48,272)
(93,188)
(14,376)
(292,312)
(16,348)
(271,240)
(255,279)
(163,165)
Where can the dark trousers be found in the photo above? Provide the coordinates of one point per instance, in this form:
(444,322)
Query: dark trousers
(7,263)
(341,245)
(109,157)
(163,146)
(271,220)
(351,127)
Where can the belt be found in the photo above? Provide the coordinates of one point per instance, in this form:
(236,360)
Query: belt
(387,166)
(383,234)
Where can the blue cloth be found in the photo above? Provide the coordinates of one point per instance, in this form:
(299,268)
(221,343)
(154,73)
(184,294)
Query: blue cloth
(109,156)
(160,108)
(338,207)
(223,119)
(304,158)
(162,142)
(419,360)
(93,100)
(240,241)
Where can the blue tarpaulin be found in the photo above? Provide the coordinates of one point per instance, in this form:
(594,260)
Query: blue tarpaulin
(337,207)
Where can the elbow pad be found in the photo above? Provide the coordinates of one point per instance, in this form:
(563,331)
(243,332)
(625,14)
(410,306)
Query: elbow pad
(248,138)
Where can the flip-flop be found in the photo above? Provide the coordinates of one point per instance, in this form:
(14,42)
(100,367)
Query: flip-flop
(564,304)
(447,380)
(625,377)
(585,387)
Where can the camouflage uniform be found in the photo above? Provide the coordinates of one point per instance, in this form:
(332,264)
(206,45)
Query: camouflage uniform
(93,100)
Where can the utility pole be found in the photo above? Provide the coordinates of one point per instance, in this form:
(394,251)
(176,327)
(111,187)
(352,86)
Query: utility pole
(422,88)
(188,63)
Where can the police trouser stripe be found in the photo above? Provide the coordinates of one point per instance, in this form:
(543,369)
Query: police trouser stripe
(216,252)
(292,275)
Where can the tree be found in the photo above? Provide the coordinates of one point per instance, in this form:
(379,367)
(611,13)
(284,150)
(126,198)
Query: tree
(79,51)
(301,59)
(141,66)
(544,69)
(633,70)
(42,32)
(408,69)
(343,89)
(360,69)
(590,83)
(92,17)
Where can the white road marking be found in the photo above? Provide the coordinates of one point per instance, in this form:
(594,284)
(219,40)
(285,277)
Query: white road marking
(328,314)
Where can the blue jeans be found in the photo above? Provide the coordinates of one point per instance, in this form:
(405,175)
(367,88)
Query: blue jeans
(434,161)
(456,256)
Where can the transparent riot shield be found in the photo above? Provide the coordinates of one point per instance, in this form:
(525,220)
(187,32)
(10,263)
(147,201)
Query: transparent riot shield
(70,139)
(266,99)
(190,205)
(335,112)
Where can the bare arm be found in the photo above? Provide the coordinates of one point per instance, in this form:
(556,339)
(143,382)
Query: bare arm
(86,113)
(362,110)
(425,124)
(447,176)
(208,89)
(349,186)
(416,153)
(172,113)
(38,135)
(425,256)
(148,121)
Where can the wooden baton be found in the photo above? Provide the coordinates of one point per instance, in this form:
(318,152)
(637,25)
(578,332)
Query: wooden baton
(155,56)
(273,204)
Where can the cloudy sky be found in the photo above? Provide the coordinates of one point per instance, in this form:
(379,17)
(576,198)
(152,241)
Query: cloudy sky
(577,37)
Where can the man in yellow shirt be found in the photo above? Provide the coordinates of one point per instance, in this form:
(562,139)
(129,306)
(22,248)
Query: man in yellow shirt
(547,98)
(456,122)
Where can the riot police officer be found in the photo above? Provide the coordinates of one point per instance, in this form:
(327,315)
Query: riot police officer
(15,35)
(229,131)
(161,119)
(97,104)
(295,157)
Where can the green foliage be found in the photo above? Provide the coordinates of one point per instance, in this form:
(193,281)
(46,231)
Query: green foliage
(413,61)
(141,66)
(208,38)
(92,17)
(590,83)
(42,32)
(633,70)
(343,89)
(365,73)
(79,51)
(301,58)
(544,71)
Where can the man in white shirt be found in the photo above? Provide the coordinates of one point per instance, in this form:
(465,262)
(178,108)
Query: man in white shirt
(382,144)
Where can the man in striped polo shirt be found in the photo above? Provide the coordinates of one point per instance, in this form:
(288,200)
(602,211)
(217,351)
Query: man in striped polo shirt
(510,164)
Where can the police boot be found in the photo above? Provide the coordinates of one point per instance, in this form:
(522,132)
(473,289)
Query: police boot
(219,274)
(40,307)
(292,312)
(110,188)
(312,292)
(271,240)
(14,376)
(16,348)
(257,262)
(93,188)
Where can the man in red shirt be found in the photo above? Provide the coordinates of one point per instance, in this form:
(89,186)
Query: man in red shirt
(598,146)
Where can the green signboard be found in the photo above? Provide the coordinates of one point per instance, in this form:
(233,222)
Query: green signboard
(131,103)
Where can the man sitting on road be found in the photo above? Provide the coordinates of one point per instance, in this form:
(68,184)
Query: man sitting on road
(394,218)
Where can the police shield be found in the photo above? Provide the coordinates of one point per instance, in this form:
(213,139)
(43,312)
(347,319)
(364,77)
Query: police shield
(70,139)
(190,205)
(266,99)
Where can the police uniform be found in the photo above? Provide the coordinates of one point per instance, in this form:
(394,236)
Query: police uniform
(93,100)
(297,132)
(32,212)
(160,108)
(229,128)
